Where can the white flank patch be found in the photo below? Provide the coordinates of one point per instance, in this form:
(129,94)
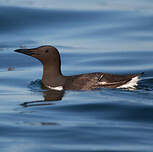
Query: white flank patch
(131,84)
(59,88)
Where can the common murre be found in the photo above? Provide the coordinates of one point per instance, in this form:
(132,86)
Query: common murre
(54,79)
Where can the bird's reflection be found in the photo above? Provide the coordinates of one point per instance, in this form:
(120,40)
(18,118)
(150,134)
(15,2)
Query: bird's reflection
(50,97)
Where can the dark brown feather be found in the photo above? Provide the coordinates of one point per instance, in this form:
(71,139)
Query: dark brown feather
(95,80)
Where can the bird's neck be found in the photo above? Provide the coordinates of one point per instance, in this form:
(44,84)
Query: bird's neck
(52,76)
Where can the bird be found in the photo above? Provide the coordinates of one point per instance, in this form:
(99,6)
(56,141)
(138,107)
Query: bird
(53,78)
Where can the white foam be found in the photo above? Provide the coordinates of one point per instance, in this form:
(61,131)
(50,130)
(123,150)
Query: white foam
(59,88)
(131,84)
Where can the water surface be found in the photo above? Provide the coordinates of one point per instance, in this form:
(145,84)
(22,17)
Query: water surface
(93,36)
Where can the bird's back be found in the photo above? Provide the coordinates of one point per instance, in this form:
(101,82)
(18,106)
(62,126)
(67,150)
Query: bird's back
(95,80)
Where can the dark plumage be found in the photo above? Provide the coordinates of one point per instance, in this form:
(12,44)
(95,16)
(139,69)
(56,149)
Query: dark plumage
(54,79)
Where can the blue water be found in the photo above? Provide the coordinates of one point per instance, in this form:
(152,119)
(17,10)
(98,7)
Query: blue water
(91,36)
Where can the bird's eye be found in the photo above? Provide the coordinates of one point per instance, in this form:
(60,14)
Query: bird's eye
(46,51)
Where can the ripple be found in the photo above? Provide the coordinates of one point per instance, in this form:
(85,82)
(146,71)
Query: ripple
(98,36)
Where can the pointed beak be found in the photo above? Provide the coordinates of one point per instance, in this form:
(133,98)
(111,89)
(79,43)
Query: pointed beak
(29,52)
